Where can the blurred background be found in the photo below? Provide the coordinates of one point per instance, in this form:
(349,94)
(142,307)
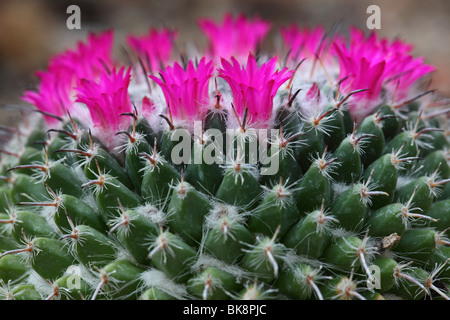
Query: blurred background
(32,30)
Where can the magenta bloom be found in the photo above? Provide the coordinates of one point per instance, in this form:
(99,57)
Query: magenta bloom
(406,72)
(53,96)
(363,67)
(254,87)
(401,66)
(155,48)
(234,37)
(403,70)
(361,72)
(56,89)
(305,42)
(186,91)
(148,107)
(106,99)
(90,58)
(372,63)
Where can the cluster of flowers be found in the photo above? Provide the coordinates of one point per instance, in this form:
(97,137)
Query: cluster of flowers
(89,83)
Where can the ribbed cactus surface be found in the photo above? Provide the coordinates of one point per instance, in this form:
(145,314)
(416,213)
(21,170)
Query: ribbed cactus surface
(317,171)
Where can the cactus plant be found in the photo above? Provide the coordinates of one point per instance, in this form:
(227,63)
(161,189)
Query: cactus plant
(318,172)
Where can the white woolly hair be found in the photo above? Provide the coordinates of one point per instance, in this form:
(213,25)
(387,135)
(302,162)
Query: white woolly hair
(138,89)
(155,278)
(128,146)
(231,165)
(153,213)
(255,290)
(403,180)
(205,260)
(339,188)
(220,210)
(40,284)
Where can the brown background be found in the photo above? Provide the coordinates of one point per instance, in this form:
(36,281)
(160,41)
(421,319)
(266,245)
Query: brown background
(31,30)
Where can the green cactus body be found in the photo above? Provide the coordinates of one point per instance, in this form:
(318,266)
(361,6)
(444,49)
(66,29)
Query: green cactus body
(228,178)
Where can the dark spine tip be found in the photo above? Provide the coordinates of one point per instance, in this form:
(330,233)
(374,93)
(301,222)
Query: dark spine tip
(67,133)
(130,114)
(27,166)
(147,156)
(74,151)
(291,99)
(171,126)
(413,99)
(50,115)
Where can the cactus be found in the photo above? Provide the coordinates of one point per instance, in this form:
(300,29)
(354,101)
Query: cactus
(320,172)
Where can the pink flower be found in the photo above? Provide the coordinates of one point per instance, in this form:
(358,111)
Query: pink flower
(234,37)
(403,70)
(405,73)
(155,48)
(304,43)
(148,107)
(106,99)
(374,64)
(90,58)
(363,67)
(53,96)
(56,93)
(254,87)
(186,91)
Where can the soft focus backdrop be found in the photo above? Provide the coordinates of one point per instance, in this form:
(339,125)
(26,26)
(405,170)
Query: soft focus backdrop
(32,30)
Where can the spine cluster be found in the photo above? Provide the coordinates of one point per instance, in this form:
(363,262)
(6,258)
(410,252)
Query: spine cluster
(100,198)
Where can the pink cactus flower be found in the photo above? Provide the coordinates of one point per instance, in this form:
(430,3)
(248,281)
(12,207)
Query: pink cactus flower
(234,36)
(374,64)
(403,71)
(186,91)
(106,100)
(361,67)
(401,66)
(90,58)
(360,72)
(56,93)
(53,96)
(154,49)
(253,87)
(148,107)
(404,75)
(305,42)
